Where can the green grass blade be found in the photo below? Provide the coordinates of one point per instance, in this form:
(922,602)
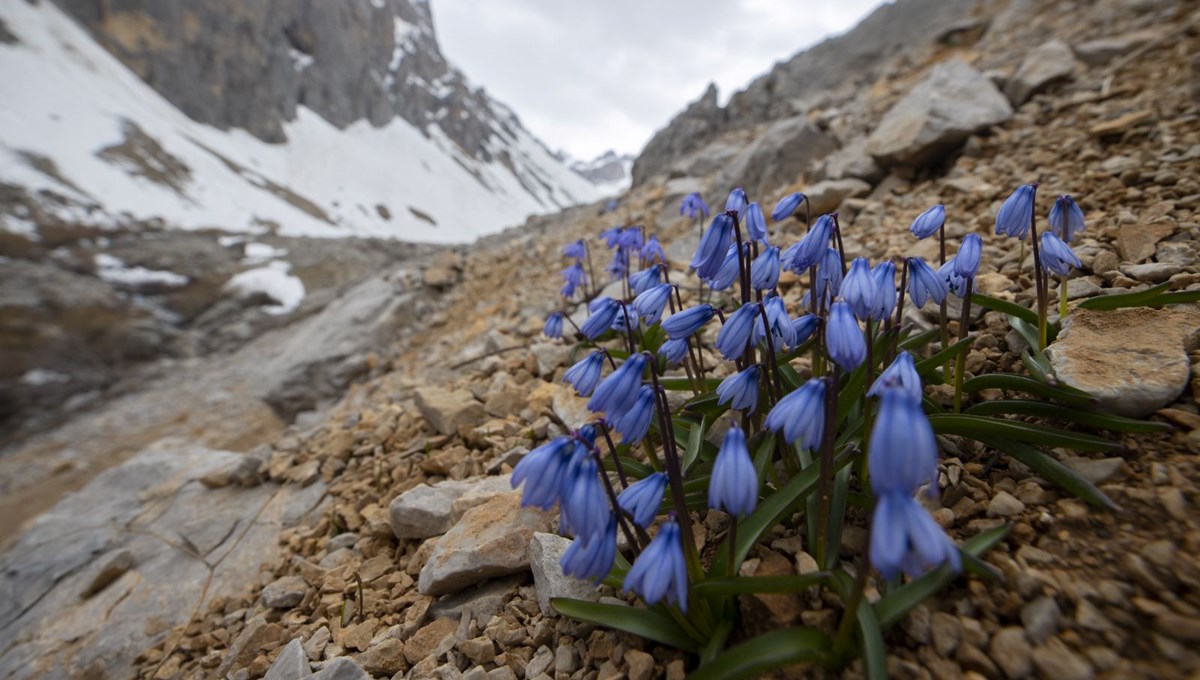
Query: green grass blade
(685,385)
(1142,298)
(1046,466)
(767,652)
(694,440)
(1020,383)
(743,585)
(1005,307)
(634,620)
(926,367)
(981,428)
(871,647)
(1032,407)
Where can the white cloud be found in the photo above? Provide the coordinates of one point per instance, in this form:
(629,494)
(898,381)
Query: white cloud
(589,76)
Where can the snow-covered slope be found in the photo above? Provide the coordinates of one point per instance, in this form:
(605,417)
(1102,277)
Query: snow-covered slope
(610,173)
(91,143)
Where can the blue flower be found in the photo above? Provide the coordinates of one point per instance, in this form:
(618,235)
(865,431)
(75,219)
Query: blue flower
(730,269)
(618,267)
(783,333)
(651,303)
(734,336)
(554,325)
(809,251)
(902,455)
(1066,218)
(619,324)
(924,283)
(764,271)
(601,318)
(756,224)
(674,350)
(574,277)
(829,275)
(693,205)
(653,251)
(884,276)
(786,206)
(800,415)
(630,238)
(543,468)
(954,283)
(646,279)
(1016,213)
(682,324)
(734,483)
(843,338)
(660,571)
(929,222)
(617,393)
(804,327)
(592,557)
(584,507)
(900,375)
(904,538)
(611,236)
(643,498)
(1057,257)
(736,202)
(585,374)
(858,288)
(634,423)
(740,390)
(710,254)
(577,250)
(966,262)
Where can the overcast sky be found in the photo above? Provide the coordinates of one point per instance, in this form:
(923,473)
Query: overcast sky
(586,76)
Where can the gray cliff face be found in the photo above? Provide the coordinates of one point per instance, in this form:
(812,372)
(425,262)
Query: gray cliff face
(250,63)
(854,58)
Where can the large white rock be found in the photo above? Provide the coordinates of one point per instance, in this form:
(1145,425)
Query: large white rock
(447,411)
(1045,65)
(545,553)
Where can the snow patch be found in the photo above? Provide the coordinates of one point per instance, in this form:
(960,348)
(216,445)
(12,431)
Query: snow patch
(113,270)
(39,377)
(275,282)
(257,253)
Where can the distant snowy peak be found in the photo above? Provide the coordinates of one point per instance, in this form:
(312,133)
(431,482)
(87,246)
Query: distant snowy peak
(323,119)
(609,171)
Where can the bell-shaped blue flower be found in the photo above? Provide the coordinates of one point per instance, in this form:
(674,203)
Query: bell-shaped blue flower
(829,275)
(884,277)
(786,206)
(904,538)
(643,498)
(611,236)
(542,471)
(756,224)
(734,336)
(616,393)
(585,374)
(734,483)
(728,273)
(900,375)
(585,509)
(740,390)
(1016,213)
(800,415)
(924,283)
(710,254)
(645,280)
(574,276)
(1066,218)
(591,557)
(764,271)
(577,250)
(619,324)
(966,262)
(858,288)
(634,423)
(554,326)
(783,333)
(630,238)
(650,304)
(653,251)
(804,327)
(902,455)
(954,282)
(618,266)
(601,319)
(843,338)
(693,205)
(929,222)
(661,571)
(809,251)
(683,323)
(1057,256)
(736,202)
(674,350)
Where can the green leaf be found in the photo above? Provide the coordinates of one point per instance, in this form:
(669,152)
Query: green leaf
(1039,367)
(695,438)
(980,428)
(1054,471)
(1142,298)
(635,620)
(1027,330)
(791,379)
(926,367)
(767,652)
(919,340)
(1020,383)
(1005,307)
(1178,298)
(653,338)
(685,385)
(837,515)
(705,406)
(1032,407)
(762,455)
(873,652)
(896,604)
(742,585)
